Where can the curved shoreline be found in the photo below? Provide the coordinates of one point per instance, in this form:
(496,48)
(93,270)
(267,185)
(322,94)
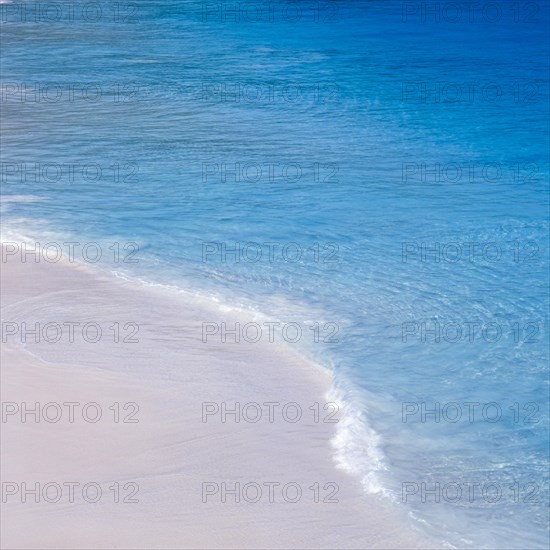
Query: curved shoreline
(176,456)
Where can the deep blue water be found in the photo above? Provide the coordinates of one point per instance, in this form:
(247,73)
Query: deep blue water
(342,118)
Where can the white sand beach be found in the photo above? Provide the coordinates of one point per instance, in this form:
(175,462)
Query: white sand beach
(164,453)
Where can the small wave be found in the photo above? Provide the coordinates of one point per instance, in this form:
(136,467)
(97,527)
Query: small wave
(357,446)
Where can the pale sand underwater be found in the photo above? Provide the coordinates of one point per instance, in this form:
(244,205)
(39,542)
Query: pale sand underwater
(170,451)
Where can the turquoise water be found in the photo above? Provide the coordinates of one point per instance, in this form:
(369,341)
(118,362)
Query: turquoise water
(341,119)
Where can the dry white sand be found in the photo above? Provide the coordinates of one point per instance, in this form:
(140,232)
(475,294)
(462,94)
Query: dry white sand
(169,453)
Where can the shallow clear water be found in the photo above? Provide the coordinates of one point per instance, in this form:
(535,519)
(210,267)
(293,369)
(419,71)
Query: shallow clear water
(335,119)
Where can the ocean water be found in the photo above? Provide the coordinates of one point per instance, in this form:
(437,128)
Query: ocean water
(396,159)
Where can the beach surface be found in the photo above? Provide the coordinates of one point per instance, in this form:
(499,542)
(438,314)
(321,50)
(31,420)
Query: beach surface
(121,444)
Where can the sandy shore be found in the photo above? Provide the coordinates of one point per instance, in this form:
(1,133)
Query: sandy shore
(159,463)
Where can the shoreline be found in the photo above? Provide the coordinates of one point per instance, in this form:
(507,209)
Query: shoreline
(174,449)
